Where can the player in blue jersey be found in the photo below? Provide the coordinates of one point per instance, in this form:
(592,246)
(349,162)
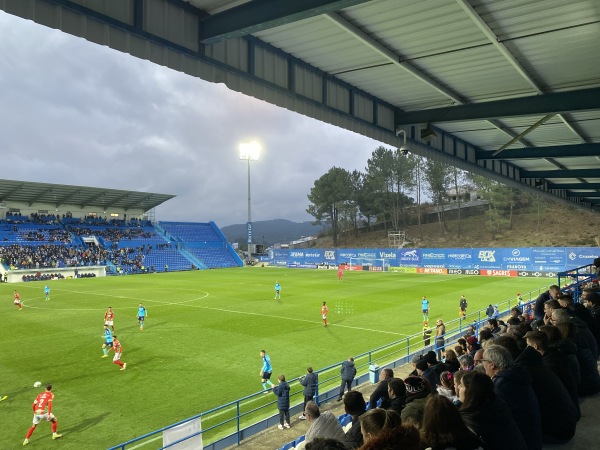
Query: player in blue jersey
(108,340)
(425,308)
(265,371)
(47,292)
(277,290)
(142,314)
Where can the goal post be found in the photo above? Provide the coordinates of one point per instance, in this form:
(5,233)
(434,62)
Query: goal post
(369,264)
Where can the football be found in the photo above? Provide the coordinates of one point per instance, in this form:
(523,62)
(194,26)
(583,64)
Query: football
(37,384)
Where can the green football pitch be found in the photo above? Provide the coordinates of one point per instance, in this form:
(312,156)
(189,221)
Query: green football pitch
(201,343)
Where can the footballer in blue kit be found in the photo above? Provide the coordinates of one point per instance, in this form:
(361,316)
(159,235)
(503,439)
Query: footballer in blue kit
(425,308)
(47,292)
(265,371)
(108,340)
(277,290)
(142,314)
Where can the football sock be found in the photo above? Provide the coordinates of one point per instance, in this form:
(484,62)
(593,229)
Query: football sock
(269,383)
(264,386)
(105,352)
(54,426)
(29,433)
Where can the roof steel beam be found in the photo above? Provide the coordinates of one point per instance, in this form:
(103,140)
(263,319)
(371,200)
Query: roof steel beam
(556,151)
(560,102)
(259,15)
(574,173)
(583,194)
(573,186)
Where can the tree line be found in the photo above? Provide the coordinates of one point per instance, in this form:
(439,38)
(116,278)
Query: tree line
(396,188)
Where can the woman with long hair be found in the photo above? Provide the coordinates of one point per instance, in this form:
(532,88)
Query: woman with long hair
(487,415)
(443,427)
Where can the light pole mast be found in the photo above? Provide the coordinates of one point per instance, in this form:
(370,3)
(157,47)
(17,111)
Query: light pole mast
(249,151)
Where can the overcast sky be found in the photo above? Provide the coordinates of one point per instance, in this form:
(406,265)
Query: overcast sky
(73,112)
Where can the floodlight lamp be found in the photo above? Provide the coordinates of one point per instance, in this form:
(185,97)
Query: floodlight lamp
(249,151)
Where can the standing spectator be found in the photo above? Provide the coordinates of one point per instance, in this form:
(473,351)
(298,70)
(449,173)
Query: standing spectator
(426,334)
(496,313)
(463,304)
(439,337)
(487,415)
(354,404)
(348,372)
(282,391)
(551,294)
(381,391)
(266,370)
(324,425)
(309,381)
(425,308)
(489,311)
(42,410)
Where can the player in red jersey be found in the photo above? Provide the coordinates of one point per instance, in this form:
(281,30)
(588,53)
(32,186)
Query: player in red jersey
(324,312)
(118,348)
(42,410)
(18,300)
(340,274)
(109,317)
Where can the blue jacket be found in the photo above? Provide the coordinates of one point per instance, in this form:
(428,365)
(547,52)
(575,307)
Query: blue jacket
(348,371)
(310,384)
(282,391)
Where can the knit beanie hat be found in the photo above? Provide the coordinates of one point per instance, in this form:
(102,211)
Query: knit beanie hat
(414,385)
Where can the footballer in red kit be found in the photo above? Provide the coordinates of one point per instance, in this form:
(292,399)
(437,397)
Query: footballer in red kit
(118,348)
(109,317)
(18,300)
(324,312)
(42,410)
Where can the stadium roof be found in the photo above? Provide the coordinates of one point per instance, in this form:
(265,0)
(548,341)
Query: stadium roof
(511,88)
(62,195)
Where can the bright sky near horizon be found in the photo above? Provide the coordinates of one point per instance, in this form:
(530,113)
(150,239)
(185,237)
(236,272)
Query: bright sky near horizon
(77,113)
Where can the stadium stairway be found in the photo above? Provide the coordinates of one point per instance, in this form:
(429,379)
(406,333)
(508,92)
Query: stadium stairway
(586,437)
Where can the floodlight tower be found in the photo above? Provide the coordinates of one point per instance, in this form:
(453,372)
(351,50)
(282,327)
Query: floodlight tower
(249,151)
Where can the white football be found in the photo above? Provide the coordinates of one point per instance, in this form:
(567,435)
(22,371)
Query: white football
(37,384)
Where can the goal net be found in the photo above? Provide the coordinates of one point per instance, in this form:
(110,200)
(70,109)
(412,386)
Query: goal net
(372,264)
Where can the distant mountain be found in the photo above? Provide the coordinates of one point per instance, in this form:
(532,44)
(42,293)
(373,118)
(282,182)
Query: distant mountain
(271,231)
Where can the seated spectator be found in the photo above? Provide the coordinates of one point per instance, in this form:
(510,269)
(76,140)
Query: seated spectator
(402,437)
(381,391)
(417,390)
(446,386)
(324,425)
(443,427)
(513,385)
(478,359)
(472,345)
(354,404)
(397,394)
(451,361)
(374,421)
(559,414)
(458,386)
(557,362)
(459,350)
(487,415)
(427,372)
(466,362)
(325,444)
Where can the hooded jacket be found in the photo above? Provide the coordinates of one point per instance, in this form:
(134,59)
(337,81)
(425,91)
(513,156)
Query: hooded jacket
(310,384)
(282,391)
(325,426)
(348,371)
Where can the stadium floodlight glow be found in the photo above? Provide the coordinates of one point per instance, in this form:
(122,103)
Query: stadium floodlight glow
(249,151)
(404,147)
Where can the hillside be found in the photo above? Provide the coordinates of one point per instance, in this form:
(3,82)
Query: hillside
(271,231)
(559,226)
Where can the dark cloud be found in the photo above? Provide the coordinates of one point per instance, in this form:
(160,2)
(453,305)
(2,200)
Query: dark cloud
(73,112)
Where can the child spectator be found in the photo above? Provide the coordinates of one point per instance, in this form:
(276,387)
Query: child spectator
(282,391)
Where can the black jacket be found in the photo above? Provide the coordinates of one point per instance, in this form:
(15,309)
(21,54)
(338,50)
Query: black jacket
(513,385)
(348,371)
(559,364)
(380,392)
(282,391)
(310,384)
(354,437)
(559,415)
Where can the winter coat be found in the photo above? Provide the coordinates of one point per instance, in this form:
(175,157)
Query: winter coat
(380,392)
(354,437)
(559,364)
(414,410)
(397,404)
(493,422)
(348,371)
(489,311)
(310,382)
(282,391)
(538,309)
(325,426)
(559,415)
(513,385)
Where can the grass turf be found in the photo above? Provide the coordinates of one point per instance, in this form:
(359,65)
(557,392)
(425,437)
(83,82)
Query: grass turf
(200,347)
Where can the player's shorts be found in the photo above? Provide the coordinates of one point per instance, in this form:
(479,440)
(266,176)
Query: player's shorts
(37,418)
(266,375)
(141,318)
(324,316)
(108,344)
(425,311)
(117,357)
(109,323)
(17,302)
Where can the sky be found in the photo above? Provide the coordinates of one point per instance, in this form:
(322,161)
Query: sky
(77,113)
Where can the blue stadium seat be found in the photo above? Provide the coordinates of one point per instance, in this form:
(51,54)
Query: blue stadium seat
(299,439)
(287,446)
(345,419)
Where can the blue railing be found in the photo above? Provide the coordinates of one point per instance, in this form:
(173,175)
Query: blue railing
(393,354)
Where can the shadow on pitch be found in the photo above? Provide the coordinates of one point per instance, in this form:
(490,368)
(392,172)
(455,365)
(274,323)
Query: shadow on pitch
(85,424)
